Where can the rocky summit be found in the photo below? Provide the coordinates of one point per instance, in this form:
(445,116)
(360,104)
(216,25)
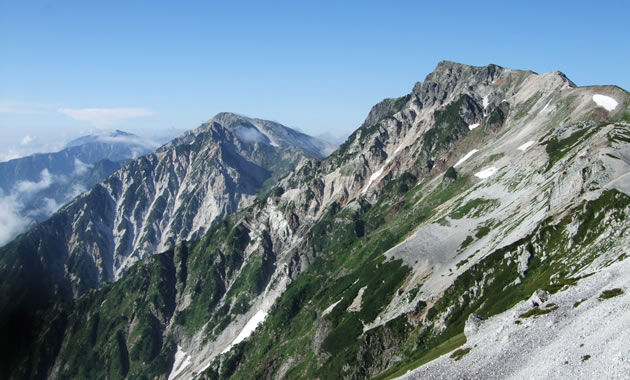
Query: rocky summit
(475,227)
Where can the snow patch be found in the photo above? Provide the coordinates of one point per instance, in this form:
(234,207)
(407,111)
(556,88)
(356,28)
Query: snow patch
(485,173)
(249,328)
(525,146)
(467,156)
(486,101)
(546,105)
(182,360)
(473,126)
(373,177)
(378,173)
(605,101)
(331,307)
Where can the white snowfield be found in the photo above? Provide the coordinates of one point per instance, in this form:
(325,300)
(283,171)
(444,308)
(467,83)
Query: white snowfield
(467,156)
(605,101)
(526,146)
(473,126)
(249,328)
(488,172)
(586,341)
(182,360)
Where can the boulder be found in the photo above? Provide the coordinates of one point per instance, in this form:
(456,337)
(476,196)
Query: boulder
(472,324)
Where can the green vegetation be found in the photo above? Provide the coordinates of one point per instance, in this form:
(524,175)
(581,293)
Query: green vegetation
(536,311)
(492,158)
(552,258)
(497,117)
(450,173)
(558,284)
(469,239)
(460,353)
(586,357)
(556,149)
(347,245)
(463,262)
(430,355)
(525,107)
(610,293)
(449,126)
(475,208)
(482,231)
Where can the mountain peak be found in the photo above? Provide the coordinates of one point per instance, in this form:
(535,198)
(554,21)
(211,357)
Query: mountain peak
(108,136)
(273,133)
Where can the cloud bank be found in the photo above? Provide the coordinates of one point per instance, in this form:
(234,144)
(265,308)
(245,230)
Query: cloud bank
(17,209)
(11,220)
(104,117)
(27,140)
(30,187)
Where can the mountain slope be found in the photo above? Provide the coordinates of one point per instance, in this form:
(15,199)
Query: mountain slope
(481,186)
(147,206)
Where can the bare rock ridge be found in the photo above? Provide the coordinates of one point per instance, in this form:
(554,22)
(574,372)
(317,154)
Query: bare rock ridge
(368,262)
(154,202)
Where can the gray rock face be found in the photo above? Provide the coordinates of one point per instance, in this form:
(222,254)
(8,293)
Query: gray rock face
(539,297)
(160,199)
(472,324)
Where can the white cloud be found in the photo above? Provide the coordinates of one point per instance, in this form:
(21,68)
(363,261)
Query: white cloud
(104,117)
(50,206)
(11,222)
(135,140)
(15,217)
(10,154)
(80,167)
(32,187)
(76,190)
(27,140)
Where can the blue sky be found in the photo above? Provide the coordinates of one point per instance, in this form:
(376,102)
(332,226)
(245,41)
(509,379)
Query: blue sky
(69,66)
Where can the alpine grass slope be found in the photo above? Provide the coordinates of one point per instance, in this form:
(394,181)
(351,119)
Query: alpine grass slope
(449,206)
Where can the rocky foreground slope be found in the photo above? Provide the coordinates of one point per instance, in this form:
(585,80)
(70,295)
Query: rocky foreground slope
(480,187)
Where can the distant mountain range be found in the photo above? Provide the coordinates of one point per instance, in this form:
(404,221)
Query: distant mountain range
(32,188)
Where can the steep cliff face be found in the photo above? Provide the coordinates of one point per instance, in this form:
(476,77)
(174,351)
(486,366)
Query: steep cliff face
(154,202)
(465,196)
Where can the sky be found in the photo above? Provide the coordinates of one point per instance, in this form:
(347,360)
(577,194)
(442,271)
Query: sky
(160,67)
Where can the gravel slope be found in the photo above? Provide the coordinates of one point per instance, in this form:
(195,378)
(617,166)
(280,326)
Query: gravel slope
(589,340)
